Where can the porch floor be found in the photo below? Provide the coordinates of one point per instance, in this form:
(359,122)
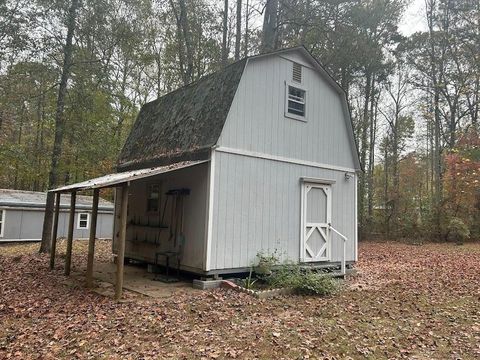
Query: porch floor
(136,279)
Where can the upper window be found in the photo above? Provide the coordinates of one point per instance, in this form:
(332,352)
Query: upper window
(83,220)
(296,101)
(153,197)
(2,222)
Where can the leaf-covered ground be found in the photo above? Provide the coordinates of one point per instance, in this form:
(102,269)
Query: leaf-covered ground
(415,302)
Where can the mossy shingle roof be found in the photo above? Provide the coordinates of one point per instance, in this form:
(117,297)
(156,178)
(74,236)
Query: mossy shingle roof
(184,124)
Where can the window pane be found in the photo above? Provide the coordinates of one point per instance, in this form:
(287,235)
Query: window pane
(83,216)
(83,223)
(296,93)
(296,101)
(296,108)
(153,197)
(152,205)
(154,192)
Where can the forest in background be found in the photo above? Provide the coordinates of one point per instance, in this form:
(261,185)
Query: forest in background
(74,74)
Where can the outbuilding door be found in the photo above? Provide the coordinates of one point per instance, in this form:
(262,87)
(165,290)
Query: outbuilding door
(316,217)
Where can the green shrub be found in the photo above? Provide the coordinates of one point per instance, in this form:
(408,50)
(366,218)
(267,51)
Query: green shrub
(312,283)
(266,262)
(458,230)
(303,281)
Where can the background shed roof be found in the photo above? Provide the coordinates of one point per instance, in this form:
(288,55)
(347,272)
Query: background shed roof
(34,199)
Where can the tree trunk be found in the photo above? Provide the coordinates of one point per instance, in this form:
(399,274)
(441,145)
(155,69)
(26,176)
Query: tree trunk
(436,151)
(385,190)
(188,44)
(363,150)
(59,125)
(270,26)
(371,155)
(395,173)
(224,34)
(38,142)
(245,45)
(238,34)
(304,30)
(180,49)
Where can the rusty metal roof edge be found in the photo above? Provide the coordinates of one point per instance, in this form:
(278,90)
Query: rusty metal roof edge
(118,178)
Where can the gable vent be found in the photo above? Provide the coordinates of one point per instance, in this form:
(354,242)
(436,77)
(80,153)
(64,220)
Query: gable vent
(297,72)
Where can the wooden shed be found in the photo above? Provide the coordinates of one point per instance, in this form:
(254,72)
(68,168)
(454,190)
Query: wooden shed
(257,157)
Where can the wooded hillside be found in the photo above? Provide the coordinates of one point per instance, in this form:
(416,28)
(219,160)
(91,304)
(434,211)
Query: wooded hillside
(74,74)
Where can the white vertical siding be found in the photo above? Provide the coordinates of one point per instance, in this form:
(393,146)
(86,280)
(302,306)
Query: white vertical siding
(194,178)
(27,224)
(256,120)
(257,208)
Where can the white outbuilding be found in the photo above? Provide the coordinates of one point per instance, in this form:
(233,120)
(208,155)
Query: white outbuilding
(258,157)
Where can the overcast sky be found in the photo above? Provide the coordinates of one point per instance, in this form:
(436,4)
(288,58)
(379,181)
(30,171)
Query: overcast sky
(414,18)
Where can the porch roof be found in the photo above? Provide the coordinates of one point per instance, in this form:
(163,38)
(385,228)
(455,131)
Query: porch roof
(124,177)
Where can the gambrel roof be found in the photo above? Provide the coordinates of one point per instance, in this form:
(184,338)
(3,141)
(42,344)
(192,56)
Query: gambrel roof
(185,124)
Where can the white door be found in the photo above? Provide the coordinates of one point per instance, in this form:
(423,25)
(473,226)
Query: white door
(316,217)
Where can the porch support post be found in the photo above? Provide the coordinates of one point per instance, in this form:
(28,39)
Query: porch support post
(121,242)
(53,247)
(71,223)
(91,240)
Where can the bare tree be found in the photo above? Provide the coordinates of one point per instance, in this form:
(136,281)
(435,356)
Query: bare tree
(247,17)
(270,29)
(225,34)
(59,124)
(238,34)
(436,69)
(184,44)
(400,127)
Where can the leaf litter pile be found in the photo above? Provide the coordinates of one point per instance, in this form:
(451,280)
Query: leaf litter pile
(415,302)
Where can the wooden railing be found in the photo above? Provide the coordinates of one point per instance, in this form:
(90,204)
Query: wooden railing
(343,269)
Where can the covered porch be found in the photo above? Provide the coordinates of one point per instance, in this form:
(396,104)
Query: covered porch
(123,184)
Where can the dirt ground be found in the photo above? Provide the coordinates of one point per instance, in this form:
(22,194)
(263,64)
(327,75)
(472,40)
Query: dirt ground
(407,301)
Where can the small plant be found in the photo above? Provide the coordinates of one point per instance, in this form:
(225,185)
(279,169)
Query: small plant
(458,230)
(266,263)
(249,281)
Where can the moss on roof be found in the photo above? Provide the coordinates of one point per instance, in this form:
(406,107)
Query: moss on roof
(183,124)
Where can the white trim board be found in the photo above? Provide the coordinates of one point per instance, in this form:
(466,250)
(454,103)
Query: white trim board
(18,240)
(2,221)
(282,159)
(211,190)
(62,210)
(313,180)
(356,218)
(75,239)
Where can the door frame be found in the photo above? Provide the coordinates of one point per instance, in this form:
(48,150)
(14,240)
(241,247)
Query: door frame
(314,183)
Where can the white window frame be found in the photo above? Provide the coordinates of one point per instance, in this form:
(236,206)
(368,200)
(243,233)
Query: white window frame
(300,87)
(2,221)
(78,221)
